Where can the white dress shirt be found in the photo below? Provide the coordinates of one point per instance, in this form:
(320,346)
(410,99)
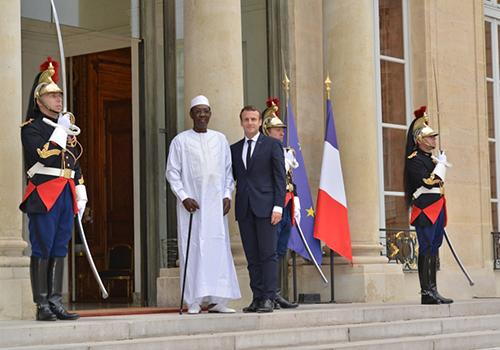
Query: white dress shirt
(245,148)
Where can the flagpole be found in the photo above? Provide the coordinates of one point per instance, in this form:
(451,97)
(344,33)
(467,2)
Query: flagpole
(286,86)
(328,88)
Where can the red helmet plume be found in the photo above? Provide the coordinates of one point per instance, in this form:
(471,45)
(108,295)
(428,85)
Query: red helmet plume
(269,103)
(45,65)
(420,112)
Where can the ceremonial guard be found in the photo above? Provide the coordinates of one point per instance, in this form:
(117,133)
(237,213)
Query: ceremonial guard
(424,191)
(55,191)
(272,126)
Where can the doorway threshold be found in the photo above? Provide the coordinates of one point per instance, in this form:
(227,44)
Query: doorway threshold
(96,310)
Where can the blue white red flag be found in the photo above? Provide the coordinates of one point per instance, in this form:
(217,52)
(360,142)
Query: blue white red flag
(331,223)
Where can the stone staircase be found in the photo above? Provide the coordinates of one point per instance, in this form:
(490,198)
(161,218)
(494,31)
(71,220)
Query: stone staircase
(463,325)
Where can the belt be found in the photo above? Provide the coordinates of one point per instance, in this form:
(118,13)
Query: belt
(424,190)
(41,169)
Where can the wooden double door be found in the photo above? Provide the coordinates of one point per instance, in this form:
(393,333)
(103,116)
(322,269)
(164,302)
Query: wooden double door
(102,104)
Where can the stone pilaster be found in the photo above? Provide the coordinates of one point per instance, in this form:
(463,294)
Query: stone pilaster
(350,60)
(15,294)
(213,67)
(452,60)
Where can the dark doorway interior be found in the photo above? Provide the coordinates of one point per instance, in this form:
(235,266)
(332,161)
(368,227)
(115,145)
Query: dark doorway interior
(102,103)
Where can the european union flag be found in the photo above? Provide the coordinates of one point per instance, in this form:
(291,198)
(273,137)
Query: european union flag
(304,193)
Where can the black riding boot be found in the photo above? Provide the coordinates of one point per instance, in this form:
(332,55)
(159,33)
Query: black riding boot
(279,301)
(38,274)
(424,275)
(55,282)
(433,284)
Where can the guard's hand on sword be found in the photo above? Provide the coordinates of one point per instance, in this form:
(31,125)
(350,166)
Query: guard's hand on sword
(442,158)
(190,204)
(296,209)
(64,120)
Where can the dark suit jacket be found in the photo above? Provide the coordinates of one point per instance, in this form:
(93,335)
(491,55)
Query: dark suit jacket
(262,186)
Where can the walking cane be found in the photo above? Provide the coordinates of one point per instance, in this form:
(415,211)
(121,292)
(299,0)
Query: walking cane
(186,262)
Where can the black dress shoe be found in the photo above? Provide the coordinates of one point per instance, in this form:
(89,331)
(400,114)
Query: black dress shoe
(265,305)
(252,307)
(283,303)
(62,314)
(428,298)
(43,313)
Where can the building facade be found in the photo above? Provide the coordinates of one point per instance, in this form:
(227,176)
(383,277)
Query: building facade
(133,67)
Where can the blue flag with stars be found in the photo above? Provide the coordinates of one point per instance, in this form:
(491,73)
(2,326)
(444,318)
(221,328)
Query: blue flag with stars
(304,193)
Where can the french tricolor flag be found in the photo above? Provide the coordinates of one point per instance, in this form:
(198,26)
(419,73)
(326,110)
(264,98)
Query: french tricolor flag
(331,224)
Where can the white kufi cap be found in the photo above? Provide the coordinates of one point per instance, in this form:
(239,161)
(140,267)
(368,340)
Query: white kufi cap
(199,100)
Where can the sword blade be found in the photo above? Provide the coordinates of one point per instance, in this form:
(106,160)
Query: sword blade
(61,56)
(104,292)
(437,104)
(303,238)
(459,262)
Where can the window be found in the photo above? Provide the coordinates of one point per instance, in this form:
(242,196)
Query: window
(394,109)
(492,37)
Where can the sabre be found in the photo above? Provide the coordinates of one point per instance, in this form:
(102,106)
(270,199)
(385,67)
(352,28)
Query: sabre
(61,55)
(73,130)
(437,103)
(303,238)
(65,105)
(104,292)
(448,240)
(459,262)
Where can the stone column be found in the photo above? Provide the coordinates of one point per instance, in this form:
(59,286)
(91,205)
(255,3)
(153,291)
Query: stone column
(15,294)
(213,62)
(457,56)
(213,66)
(350,60)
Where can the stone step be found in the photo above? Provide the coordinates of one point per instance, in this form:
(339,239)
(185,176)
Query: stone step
(326,337)
(452,341)
(24,333)
(359,321)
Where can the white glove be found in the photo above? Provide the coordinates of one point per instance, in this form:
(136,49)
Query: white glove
(81,199)
(441,157)
(64,121)
(296,209)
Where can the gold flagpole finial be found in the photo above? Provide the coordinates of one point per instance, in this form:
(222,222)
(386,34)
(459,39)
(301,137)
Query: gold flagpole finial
(286,85)
(328,86)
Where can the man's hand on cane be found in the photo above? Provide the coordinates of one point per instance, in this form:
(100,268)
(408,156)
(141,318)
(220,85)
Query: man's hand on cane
(226,205)
(190,204)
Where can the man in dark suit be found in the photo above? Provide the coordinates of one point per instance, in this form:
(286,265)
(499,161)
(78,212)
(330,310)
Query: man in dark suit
(259,171)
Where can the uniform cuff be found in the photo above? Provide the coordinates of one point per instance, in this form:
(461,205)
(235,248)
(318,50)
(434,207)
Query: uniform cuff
(278,209)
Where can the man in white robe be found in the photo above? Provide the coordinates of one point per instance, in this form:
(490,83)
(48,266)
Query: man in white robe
(200,175)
